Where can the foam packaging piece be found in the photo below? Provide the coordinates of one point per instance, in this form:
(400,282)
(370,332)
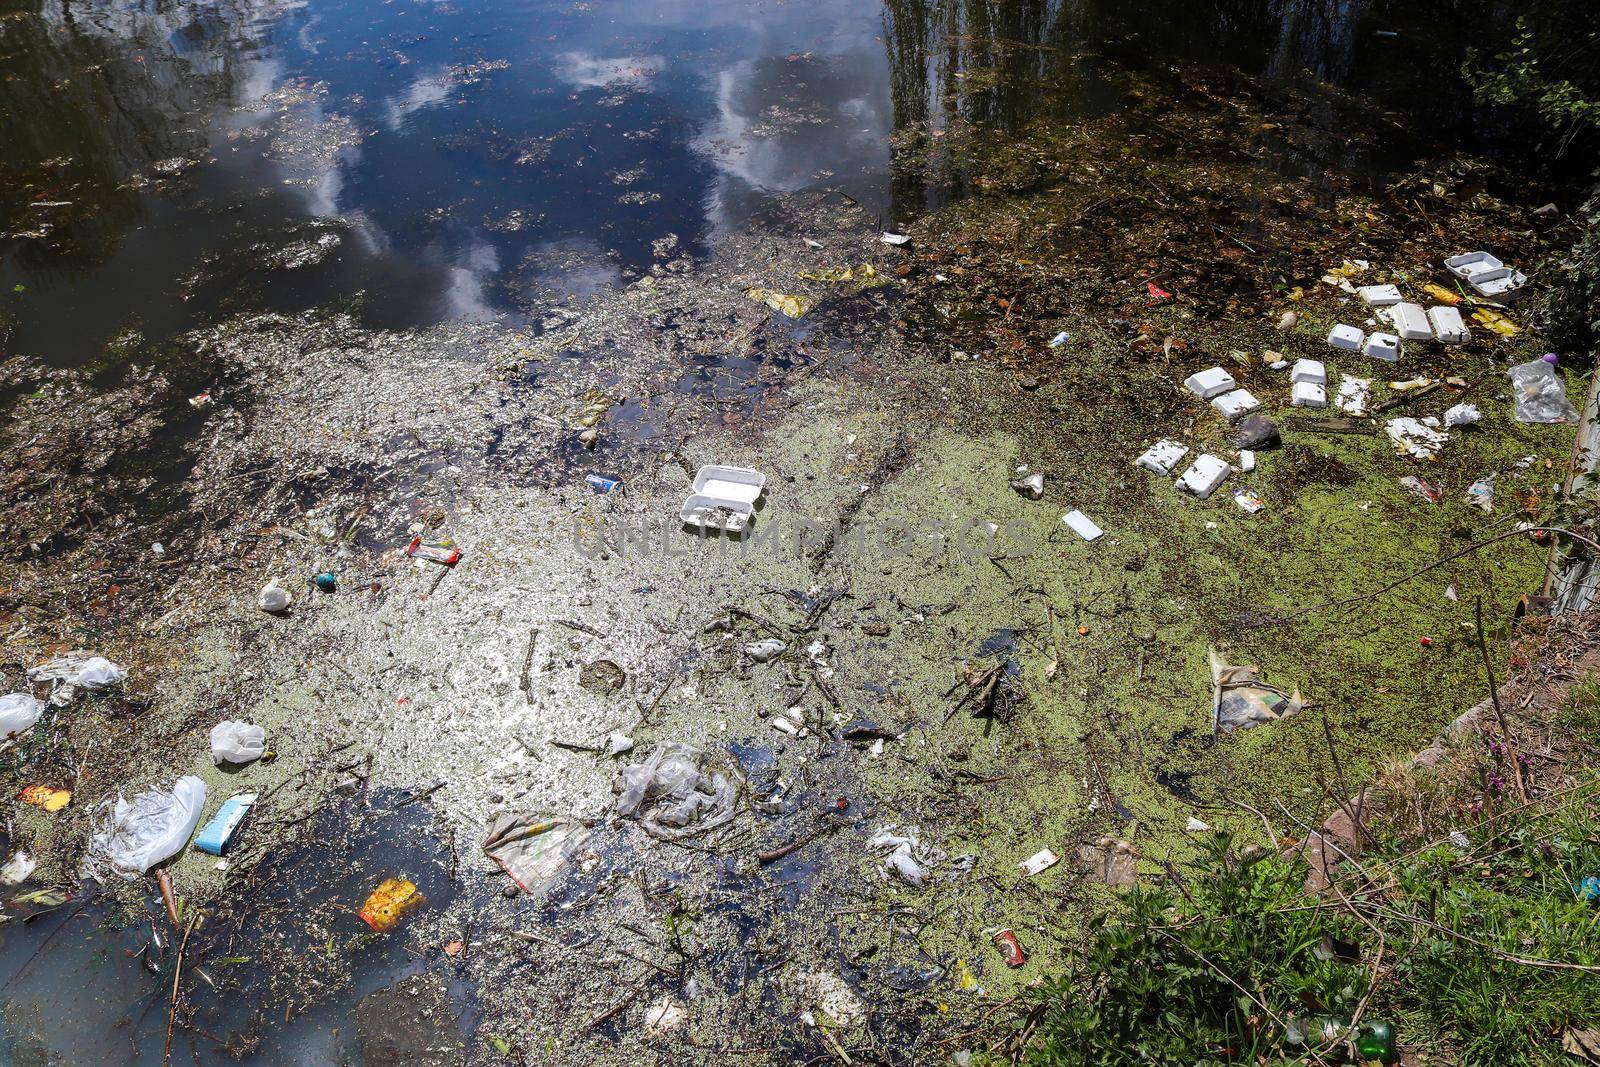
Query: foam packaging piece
(1203,477)
(1309,370)
(1162,456)
(1082,525)
(1213,381)
(1308,395)
(1447,325)
(1384,346)
(1411,323)
(1473,264)
(1235,404)
(1380,295)
(723,496)
(1348,338)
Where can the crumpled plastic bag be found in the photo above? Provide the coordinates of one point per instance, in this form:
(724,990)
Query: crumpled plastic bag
(135,835)
(17,868)
(71,670)
(274,598)
(1413,438)
(1539,395)
(237,742)
(1244,701)
(1112,861)
(671,796)
(18,713)
(907,860)
(530,849)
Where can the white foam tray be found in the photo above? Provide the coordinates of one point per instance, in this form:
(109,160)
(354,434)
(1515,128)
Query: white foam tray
(732,491)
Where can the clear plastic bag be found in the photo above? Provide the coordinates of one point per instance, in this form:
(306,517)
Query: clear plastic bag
(1539,394)
(18,713)
(137,834)
(670,795)
(236,742)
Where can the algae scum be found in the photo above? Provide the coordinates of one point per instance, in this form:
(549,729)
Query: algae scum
(288,286)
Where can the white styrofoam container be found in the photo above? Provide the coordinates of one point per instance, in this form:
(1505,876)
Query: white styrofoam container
(1308,395)
(1411,322)
(732,491)
(1309,370)
(1348,338)
(1162,456)
(1380,295)
(1232,405)
(1203,477)
(1471,264)
(1384,346)
(1213,381)
(1502,287)
(1447,325)
(1082,525)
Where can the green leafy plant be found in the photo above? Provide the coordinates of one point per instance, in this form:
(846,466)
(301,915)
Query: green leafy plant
(1493,967)
(1490,953)
(1210,972)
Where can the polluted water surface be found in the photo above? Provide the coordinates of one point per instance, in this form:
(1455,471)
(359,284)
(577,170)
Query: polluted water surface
(429,317)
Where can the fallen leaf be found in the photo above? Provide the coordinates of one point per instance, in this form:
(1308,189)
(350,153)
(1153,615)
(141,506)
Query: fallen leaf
(1584,1044)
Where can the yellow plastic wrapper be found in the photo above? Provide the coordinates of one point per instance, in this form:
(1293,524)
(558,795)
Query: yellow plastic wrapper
(1497,322)
(787,303)
(389,903)
(43,796)
(1441,294)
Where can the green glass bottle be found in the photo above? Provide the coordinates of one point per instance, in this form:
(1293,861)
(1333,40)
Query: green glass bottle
(1375,1041)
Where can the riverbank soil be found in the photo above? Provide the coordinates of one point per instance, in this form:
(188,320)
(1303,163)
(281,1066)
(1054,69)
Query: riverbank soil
(909,676)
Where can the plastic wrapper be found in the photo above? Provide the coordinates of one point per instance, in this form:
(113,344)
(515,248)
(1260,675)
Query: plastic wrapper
(17,868)
(135,835)
(274,598)
(1243,700)
(1539,395)
(1414,438)
(908,859)
(74,670)
(530,849)
(18,713)
(671,795)
(237,742)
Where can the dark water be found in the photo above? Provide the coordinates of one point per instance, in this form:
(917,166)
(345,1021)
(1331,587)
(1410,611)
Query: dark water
(163,163)
(84,985)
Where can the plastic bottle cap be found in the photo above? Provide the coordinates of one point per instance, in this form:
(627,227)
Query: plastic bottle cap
(1551,358)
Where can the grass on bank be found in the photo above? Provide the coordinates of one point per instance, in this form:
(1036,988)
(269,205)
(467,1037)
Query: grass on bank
(1466,927)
